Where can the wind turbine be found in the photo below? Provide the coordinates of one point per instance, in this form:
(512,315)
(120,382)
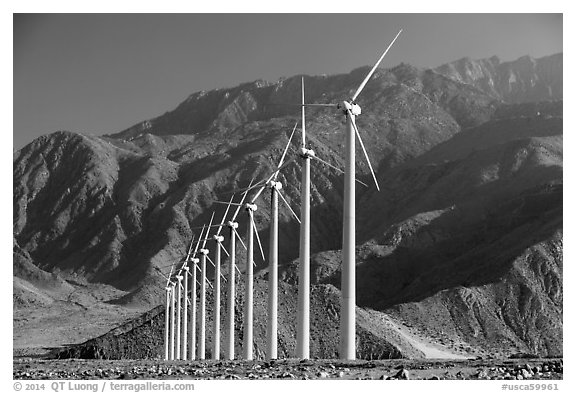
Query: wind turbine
(219,247)
(348,286)
(195,261)
(303,313)
(185,317)
(167,322)
(272,326)
(233,225)
(172,303)
(202,338)
(178,315)
(184,355)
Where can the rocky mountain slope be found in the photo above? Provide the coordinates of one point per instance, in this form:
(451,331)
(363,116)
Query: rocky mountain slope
(523,80)
(463,244)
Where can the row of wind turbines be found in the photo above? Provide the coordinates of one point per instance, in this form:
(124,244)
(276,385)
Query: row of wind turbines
(180,339)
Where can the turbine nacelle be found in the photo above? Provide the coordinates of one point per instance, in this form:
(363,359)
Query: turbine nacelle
(251,206)
(195,260)
(218,238)
(186,268)
(305,153)
(275,185)
(179,278)
(204,251)
(353,107)
(232,224)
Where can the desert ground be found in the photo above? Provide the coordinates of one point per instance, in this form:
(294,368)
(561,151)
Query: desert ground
(486,369)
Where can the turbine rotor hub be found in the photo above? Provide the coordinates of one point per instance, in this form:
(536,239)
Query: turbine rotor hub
(204,251)
(195,260)
(251,206)
(232,224)
(218,238)
(353,107)
(276,185)
(305,153)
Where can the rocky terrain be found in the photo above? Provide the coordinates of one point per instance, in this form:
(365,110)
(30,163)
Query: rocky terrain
(533,369)
(461,251)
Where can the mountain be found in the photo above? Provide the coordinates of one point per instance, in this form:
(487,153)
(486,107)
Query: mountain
(523,80)
(463,246)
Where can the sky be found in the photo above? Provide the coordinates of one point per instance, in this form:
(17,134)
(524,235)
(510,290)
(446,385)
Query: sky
(102,73)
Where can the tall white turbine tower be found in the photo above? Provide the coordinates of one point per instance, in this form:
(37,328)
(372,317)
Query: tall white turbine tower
(249,285)
(202,337)
(233,225)
(184,356)
(216,329)
(303,322)
(194,261)
(186,300)
(172,317)
(178,316)
(167,325)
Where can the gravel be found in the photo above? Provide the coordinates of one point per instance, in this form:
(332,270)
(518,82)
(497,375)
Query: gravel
(537,369)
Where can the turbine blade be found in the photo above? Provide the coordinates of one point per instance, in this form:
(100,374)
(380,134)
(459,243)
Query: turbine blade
(213,264)
(196,248)
(209,283)
(303,117)
(286,149)
(361,87)
(208,230)
(169,266)
(220,203)
(300,105)
(163,275)
(210,260)
(321,105)
(238,270)
(270,178)
(328,164)
(288,205)
(337,169)
(260,191)
(364,150)
(170,274)
(239,238)
(190,248)
(224,249)
(257,237)
(224,216)
(245,189)
(241,202)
